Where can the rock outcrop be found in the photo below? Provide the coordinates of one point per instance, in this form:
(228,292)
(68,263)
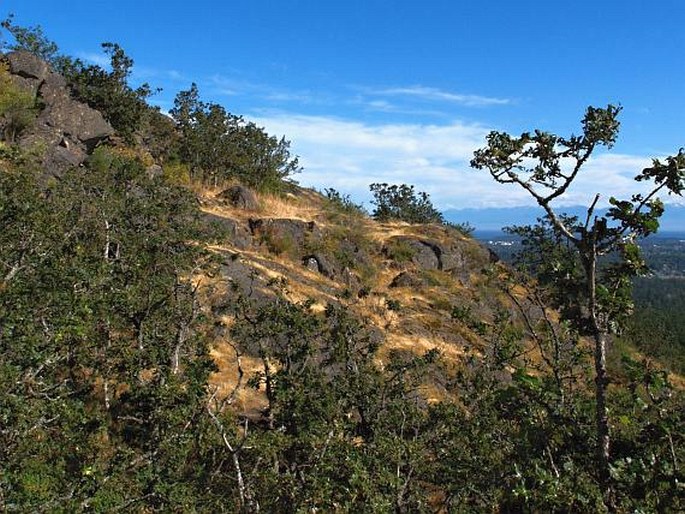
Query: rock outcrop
(321,264)
(240,196)
(282,234)
(237,234)
(68,129)
(453,256)
(406,279)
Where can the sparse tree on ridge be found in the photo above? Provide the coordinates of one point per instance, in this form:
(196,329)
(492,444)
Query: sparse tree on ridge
(545,165)
(29,39)
(220,146)
(401,202)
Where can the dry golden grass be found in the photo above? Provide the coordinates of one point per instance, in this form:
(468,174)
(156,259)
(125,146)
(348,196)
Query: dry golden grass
(246,400)
(381,232)
(305,206)
(419,345)
(423,321)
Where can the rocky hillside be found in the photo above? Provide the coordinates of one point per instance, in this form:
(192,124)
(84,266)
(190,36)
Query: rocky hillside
(184,329)
(66,130)
(406,280)
(421,287)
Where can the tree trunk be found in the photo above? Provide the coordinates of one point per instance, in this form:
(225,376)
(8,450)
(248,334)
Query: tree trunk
(602,418)
(601,383)
(268,382)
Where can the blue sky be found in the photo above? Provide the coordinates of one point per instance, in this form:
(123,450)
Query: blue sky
(404,91)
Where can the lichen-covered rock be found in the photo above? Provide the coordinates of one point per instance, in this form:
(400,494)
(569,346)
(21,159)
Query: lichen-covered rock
(241,197)
(65,129)
(27,65)
(73,119)
(73,156)
(29,85)
(291,233)
(53,87)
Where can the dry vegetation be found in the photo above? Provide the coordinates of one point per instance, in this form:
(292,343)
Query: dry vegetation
(412,320)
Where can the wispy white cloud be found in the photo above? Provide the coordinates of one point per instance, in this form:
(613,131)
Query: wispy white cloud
(396,100)
(349,155)
(232,86)
(384,106)
(302,97)
(94,58)
(435,94)
(144,73)
(227,86)
(609,175)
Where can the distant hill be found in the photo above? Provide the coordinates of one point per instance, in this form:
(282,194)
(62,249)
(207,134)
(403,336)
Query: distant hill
(673,219)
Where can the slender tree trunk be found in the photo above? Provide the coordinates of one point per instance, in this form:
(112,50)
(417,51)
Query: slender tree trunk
(181,336)
(601,383)
(268,382)
(107,241)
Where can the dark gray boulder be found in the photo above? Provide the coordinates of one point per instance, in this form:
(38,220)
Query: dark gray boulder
(66,129)
(241,197)
(234,231)
(464,255)
(452,256)
(296,233)
(424,254)
(75,120)
(406,279)
(321,264)
(27,65)
(27,84)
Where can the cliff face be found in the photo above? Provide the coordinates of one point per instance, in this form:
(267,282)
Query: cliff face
(65,129)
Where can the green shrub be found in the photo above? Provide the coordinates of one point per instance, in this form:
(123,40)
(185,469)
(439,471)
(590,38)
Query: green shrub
(402,203)
(220,147)
(400,251)
(177,173)
(343,204)
(464,227)
(278,244)
(393,305)
(17,107)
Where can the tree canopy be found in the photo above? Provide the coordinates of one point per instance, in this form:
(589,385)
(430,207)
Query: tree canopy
(401,202)
(220,146)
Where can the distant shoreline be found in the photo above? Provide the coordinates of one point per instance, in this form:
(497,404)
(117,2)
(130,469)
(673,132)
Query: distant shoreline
(500,234)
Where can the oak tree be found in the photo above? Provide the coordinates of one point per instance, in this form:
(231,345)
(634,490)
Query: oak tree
(545,165)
